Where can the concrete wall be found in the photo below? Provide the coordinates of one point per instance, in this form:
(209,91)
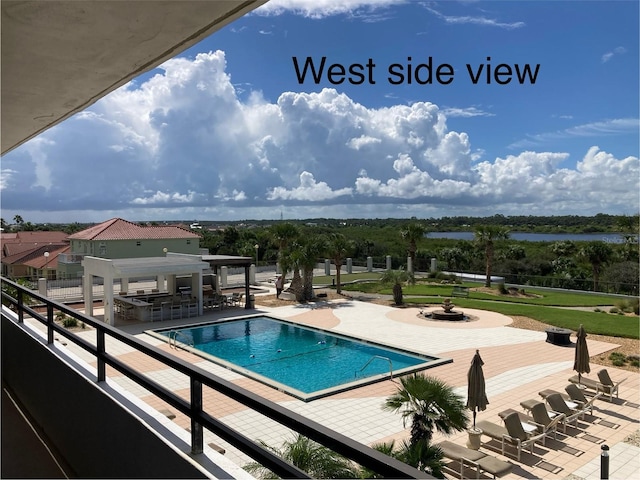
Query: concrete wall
(96,435)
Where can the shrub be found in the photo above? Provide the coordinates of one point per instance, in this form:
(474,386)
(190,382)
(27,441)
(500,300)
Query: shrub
(617,355)
(614,310)
(634,363)
(618,362)
(502,289)
(69,322)
(597,309)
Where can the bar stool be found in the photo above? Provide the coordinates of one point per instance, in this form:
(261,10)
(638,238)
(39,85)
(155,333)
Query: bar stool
(176,310)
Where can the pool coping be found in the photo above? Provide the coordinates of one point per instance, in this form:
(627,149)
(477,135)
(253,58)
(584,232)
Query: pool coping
(298,394)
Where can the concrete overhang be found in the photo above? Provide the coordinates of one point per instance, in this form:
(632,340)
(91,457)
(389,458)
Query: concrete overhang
(59,57)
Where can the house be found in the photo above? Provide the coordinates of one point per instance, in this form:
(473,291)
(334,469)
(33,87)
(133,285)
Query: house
(32,254)
(117,238)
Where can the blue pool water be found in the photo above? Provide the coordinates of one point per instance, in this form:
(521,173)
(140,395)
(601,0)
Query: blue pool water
(300,360)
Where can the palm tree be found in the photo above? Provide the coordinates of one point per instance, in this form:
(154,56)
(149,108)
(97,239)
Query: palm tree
(396,278)
(429,404)
(412,234)
(303,255)
(422,456)
(485,236)
(283,234)
(597,254)
(309,456)
(339,248)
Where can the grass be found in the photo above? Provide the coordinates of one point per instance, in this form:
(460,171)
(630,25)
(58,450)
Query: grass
(542,308)
(595,323)
(543,297)
(346,277)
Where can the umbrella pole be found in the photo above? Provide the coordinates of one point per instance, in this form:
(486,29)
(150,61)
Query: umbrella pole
(474,418)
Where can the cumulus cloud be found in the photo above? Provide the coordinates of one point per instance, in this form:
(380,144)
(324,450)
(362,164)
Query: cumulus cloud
(183,144)
(308,190)
(325,8)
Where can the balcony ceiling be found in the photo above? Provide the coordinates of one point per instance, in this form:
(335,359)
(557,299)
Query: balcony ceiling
(59,57)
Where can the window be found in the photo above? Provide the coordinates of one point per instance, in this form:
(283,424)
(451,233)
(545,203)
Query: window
(188,242)
(138,243)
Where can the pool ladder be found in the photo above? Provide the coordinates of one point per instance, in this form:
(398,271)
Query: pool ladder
(173,334)
(380,357)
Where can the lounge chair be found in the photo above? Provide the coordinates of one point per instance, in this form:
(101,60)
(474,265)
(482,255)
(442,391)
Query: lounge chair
(559,405)
(475,459)
(545,423)
(568,400)
(512,433)
(604,385)
(576,395)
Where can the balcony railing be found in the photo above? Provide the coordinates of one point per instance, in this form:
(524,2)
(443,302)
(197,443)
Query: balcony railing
(70,258)
(193,408)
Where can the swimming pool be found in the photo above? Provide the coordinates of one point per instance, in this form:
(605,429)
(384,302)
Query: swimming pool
(305,362)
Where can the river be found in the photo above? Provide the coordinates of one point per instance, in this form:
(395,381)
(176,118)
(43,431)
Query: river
(539,237)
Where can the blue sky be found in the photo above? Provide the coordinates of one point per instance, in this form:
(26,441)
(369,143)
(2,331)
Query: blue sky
(227,131)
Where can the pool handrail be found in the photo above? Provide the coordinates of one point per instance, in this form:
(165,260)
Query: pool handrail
(193,409)
(381,357)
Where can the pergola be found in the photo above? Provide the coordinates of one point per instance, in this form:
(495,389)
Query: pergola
(125,268)
(168,267)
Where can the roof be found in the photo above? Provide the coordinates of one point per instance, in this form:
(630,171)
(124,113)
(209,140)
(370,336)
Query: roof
(145,266)
(59,57)
(119,229)
(18,242)
(34,256)
(223,260)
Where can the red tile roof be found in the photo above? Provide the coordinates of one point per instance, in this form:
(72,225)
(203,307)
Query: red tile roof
(119,229)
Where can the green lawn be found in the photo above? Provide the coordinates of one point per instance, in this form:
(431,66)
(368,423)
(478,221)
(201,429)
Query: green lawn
(596,323)
(542,308)
(346,277)
(544,297)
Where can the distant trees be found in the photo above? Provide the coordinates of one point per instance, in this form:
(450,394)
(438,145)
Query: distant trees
(597,254)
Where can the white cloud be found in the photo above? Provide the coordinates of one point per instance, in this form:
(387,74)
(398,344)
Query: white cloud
(615,126)
(609,55)
(183,145)
(466,112)
(324,8)
(309,190)
(476,20)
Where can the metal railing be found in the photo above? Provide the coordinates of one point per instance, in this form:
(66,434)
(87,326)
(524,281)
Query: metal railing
(198,377)
(379,357)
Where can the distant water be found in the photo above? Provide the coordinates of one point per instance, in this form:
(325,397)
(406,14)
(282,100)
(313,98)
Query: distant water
(539,237)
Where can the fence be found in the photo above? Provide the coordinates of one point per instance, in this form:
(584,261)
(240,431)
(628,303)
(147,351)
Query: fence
(198,378)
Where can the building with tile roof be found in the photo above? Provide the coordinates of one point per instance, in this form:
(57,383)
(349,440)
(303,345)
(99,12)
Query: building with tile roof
(119,238)
(23,253)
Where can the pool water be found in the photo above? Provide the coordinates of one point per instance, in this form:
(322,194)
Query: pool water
(303,361)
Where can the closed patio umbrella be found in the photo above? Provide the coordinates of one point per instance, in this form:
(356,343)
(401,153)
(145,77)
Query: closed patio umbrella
(581,359)
(476,394)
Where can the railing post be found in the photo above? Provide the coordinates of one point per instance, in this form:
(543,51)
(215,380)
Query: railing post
(101,347)
(20,306)
(49,323)
(197,434)
(604,462)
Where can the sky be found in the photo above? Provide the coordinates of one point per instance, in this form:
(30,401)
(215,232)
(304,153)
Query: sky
(359,109)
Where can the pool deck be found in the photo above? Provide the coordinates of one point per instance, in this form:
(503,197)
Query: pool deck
(517,365)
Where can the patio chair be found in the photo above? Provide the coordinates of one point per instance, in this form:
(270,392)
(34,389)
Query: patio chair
(568,400)
(604,384)
(609,386)
(475,459)
(576,395)
(559,405)
(545,423)
(512,433)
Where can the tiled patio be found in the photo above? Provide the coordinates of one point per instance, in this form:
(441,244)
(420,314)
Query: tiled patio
(518,364)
